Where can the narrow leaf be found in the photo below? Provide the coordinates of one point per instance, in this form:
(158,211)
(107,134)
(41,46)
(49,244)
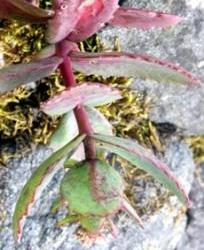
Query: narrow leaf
(66,17)
(21,9)
(142,18)
(37,182)
(142,158)
(130,65)
(16,75)
(88,94)
(94,14)
(128,208)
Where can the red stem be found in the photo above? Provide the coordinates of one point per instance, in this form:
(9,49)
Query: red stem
(80,112)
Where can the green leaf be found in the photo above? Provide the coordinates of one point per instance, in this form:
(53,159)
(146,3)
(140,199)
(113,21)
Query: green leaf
(68,128)
(142,158)
(131,65)
(98,121)
(37,182)
(22,10)
(19,74)
(65,132)
(88,94)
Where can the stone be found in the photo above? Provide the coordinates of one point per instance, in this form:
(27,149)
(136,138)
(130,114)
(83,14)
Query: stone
(193,238)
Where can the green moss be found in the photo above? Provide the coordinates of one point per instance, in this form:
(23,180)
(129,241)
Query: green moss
(197,145)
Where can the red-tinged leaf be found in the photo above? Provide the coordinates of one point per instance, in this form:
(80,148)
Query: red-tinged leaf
(129,209)
(66,17)
(94,14)
(142,158)
(21,9)
(37,182)
(131,65)
(143,19)
(89,94)
(16,75)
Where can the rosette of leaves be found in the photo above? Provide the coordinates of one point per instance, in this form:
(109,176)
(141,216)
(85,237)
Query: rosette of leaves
(93,190)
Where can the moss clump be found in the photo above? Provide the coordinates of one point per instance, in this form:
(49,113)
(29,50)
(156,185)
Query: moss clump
(197,145)
(21,123)
(20,42)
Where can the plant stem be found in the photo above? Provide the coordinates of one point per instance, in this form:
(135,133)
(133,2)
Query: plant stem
(82,119)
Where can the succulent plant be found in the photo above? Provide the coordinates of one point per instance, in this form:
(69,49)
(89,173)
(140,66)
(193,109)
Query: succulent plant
(92,188)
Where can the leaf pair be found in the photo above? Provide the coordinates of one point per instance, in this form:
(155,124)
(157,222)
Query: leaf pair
(105,64)
(78,20)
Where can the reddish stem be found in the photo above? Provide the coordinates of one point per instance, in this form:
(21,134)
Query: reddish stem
(80,112)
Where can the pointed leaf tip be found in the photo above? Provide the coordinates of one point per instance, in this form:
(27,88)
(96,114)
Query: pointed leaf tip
(128,208)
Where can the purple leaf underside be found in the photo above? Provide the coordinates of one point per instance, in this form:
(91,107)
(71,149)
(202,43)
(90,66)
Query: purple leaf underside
(19,74)
(88,94)
(67,14)
(21,9)
(131,65)
(94,14)
(143,19)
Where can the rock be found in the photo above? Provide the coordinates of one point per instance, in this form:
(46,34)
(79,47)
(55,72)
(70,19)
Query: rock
(162,229)
(193,239)
(183,44)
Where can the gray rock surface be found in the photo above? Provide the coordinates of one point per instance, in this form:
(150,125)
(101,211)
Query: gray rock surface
(182,44)
(193,239)
(163,229)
